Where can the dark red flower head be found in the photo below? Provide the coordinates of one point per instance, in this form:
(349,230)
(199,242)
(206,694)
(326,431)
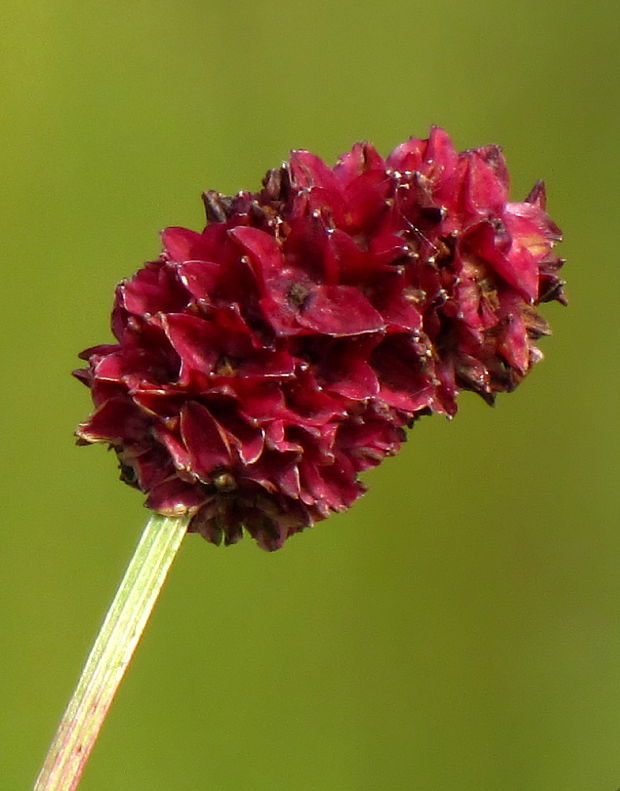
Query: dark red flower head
(264,362)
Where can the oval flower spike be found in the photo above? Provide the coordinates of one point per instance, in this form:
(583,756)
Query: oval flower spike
(263,363)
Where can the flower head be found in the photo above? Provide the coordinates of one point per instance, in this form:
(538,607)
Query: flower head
(263,363)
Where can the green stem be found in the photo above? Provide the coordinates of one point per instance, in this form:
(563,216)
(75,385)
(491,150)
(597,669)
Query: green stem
(111,653)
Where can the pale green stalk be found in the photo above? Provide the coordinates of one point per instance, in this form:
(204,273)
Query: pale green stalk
(111,653)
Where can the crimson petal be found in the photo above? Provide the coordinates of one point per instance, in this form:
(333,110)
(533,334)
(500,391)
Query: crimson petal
(204,439)
(339,311)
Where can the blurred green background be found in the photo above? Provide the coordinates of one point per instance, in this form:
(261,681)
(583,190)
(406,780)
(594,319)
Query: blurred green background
(459,628)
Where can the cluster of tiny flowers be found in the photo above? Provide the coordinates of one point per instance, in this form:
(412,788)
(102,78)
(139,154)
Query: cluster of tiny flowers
(263,363)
